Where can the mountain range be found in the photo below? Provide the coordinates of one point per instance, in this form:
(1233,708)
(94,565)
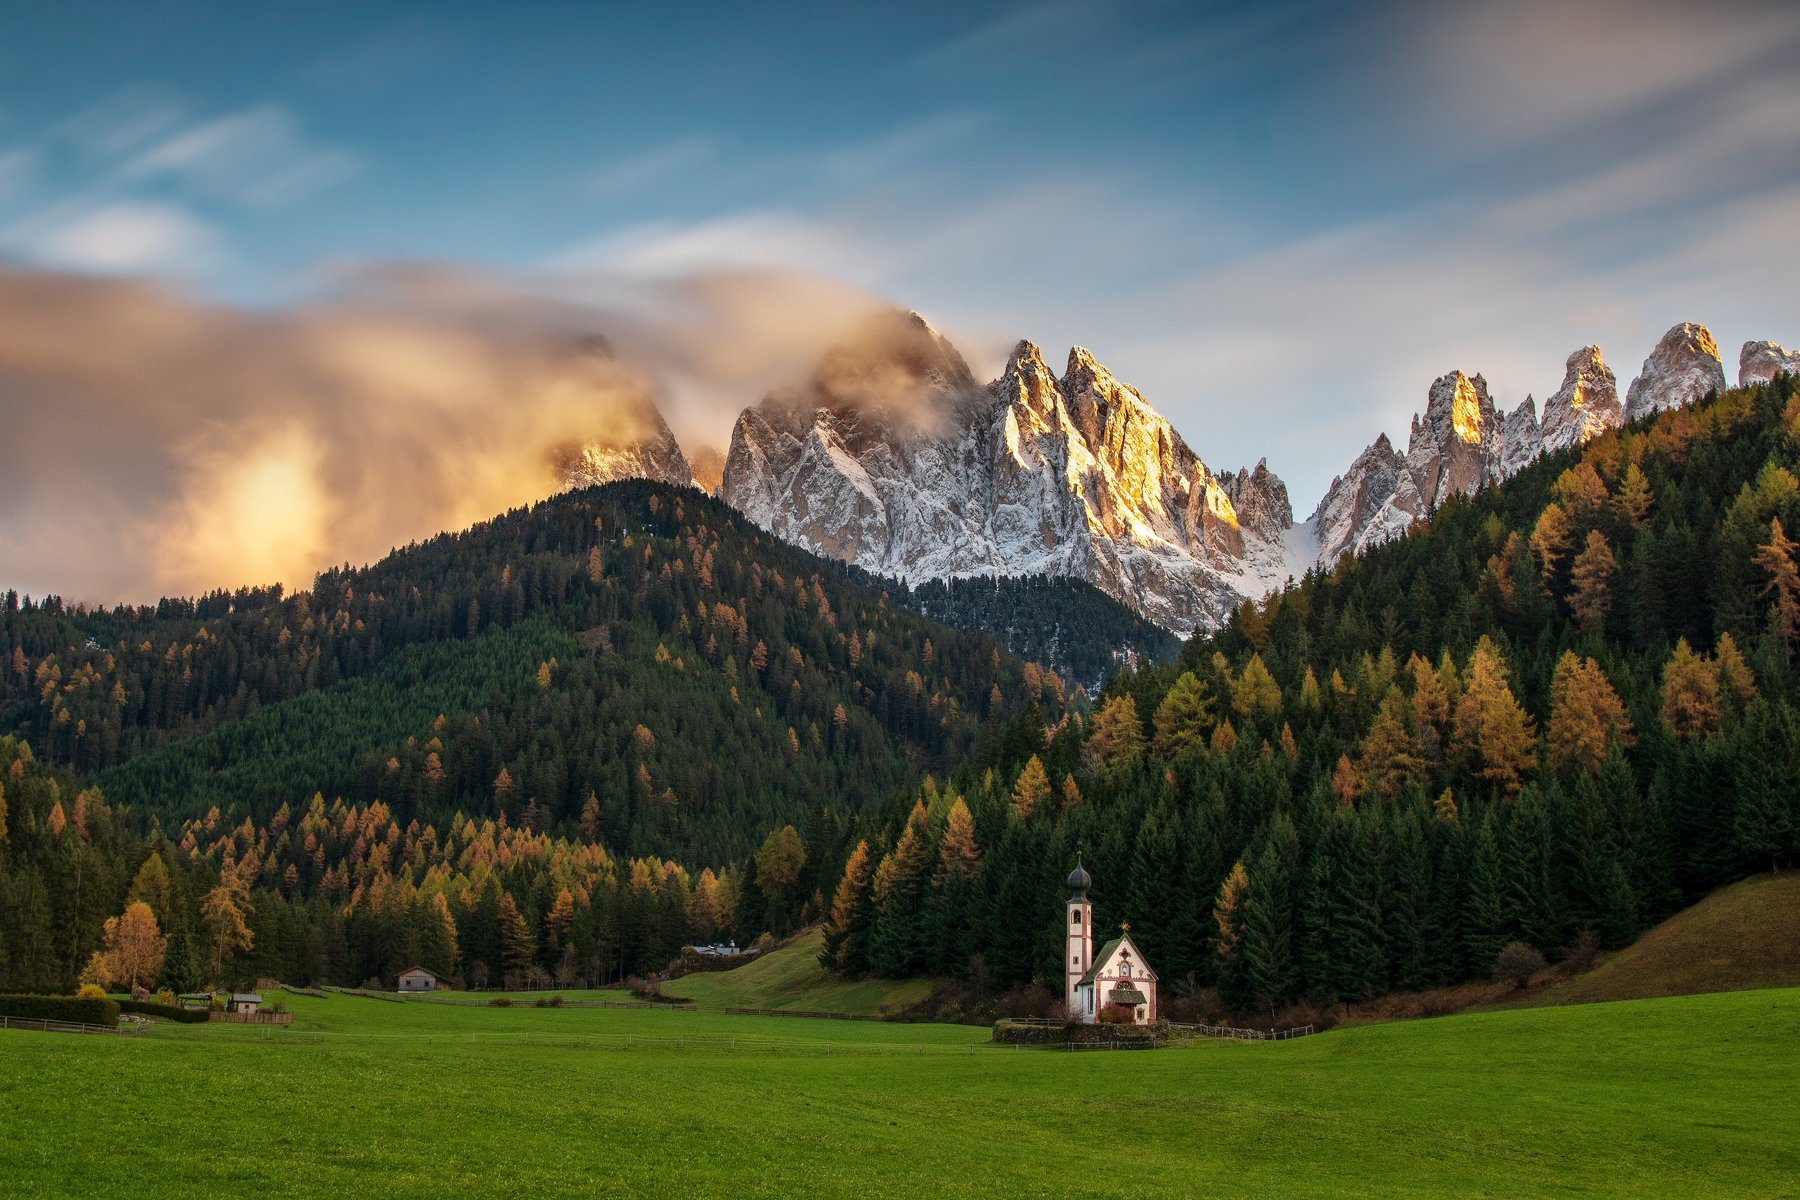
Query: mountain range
(894,457)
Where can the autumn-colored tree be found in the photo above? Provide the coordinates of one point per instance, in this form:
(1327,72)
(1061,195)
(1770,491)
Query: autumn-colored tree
(133,949)
(1492,733)
(1776,558)
(1118,733)
(1444,808)
(1737,683)
(846,935)
(1032,785)
(1431,697)
(1581,490)
(1593,574)
(1586,715)
(590,817)
(57,821)
(1690,694)
(1255,691)
(441,942)
(503,784)
(1391,758)
(1634,497)
(779,860)
(1224,739)
(1550,539)
(518,948)
(1071,792)
(560,919)
(223,913)
(151,885)
(704,912)
(958,853)
(1228,912)
(1311,701)
(1346,782)
(1184,716)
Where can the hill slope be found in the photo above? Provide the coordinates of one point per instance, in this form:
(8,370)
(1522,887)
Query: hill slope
(1740,937)
(790,979)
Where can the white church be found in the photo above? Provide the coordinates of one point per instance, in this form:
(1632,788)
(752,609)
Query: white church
(1117,975)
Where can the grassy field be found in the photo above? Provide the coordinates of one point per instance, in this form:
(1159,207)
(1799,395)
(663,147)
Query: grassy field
(791,979)
(1743,936)
(1691,1097)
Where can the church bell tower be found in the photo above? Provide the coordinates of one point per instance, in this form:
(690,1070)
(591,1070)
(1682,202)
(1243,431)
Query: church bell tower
(1079,941)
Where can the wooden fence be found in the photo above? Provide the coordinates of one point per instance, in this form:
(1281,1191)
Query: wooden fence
(255,1018)
(789,1012)
(129,1029)
(1244,1035)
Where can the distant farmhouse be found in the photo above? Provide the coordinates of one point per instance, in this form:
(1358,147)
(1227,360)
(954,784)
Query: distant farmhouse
(418,979)
(1117,979)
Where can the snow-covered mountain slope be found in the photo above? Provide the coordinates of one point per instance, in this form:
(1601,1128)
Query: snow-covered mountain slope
(1684,367)
(1759,362)
(894,458)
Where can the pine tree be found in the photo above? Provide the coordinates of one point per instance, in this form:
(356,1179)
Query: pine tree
(1255,691)
(1550,539)
(1266,950)
(1184,717)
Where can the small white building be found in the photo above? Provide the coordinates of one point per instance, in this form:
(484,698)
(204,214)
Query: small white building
(1116,975)
(244,1002)
(418,979)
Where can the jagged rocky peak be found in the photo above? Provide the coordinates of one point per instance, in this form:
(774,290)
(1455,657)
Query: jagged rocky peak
(1586,405)
(1033,474)
(1684,367)
(631,439)
(1260,500)
(1520,437)
(1374,500)
(1759,362)
(1454,447)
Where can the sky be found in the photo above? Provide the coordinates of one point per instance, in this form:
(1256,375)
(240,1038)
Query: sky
(1280,221)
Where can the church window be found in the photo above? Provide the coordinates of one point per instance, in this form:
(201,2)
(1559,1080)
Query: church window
(1074,918)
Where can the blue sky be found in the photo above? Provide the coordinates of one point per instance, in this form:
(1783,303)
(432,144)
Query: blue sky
(1279,220)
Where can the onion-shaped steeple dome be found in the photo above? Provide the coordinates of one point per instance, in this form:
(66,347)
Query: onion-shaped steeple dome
(1079,881)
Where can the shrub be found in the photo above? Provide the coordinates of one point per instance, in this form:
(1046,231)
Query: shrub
(79,1010)
(500,1002)
(1580,957)
(167,996)
(1117,1014)
(1307,1012)
(1027,1000)
(91,991)
(549,1001)
(1201,1006)
(1517,962)
(1438,1002)
(165,1012)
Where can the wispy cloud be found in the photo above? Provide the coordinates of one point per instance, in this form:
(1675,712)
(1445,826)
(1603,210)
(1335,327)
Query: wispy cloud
(133,236)
(654,165)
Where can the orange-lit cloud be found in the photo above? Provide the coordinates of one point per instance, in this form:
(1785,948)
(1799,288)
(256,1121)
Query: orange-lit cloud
(155,445)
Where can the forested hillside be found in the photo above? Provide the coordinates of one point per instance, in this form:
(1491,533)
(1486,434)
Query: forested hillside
(1067,625)
(544,711)
(636,660)
(1563,705)
(337,893)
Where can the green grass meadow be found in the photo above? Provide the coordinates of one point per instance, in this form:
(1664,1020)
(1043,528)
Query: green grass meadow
(1694,1096)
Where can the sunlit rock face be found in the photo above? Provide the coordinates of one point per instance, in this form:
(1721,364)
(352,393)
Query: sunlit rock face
(1684,367)
(1586,405)
(1760,362)
(1455,446)
(916,471)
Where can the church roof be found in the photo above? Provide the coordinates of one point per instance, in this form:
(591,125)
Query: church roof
(1105,956)
(1126,993)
